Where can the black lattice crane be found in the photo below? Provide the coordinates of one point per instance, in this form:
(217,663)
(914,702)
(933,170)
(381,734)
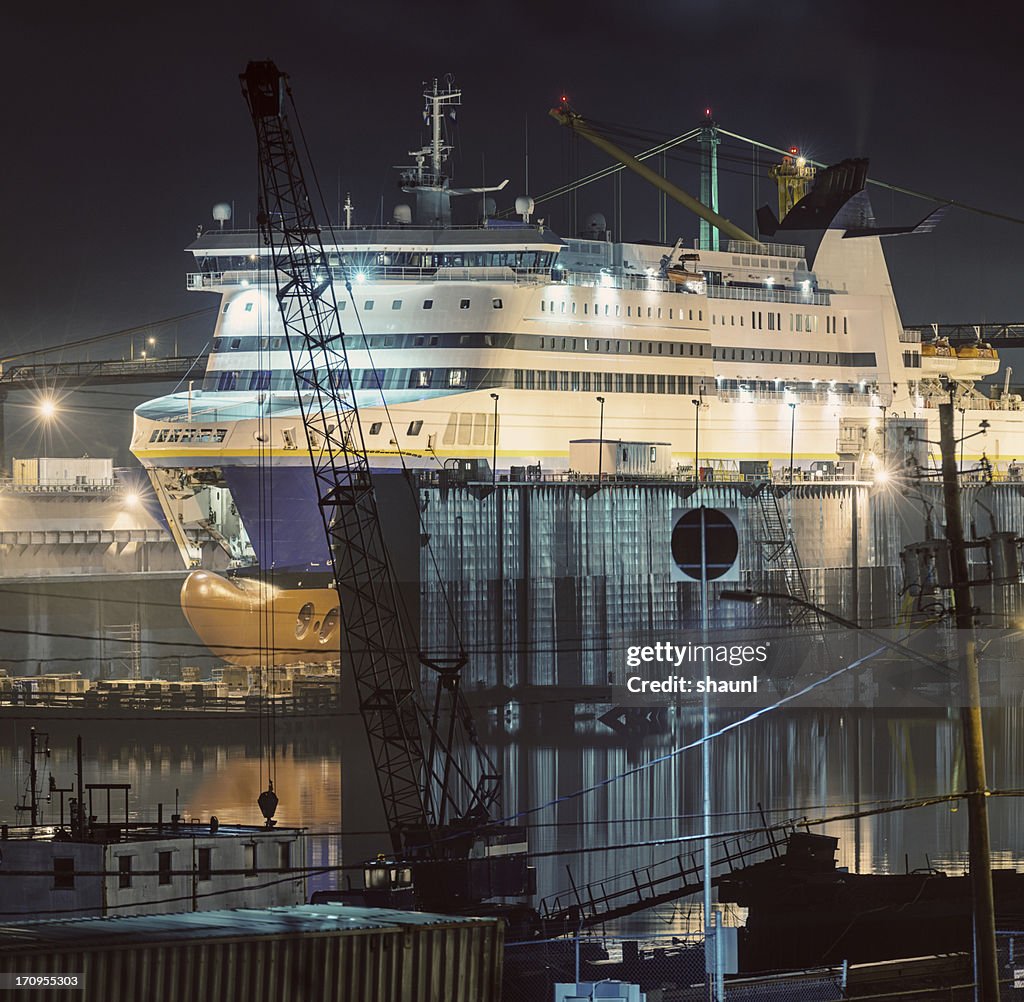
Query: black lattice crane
(437,784)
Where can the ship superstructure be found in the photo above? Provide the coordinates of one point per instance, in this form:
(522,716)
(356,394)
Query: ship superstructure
(505,342)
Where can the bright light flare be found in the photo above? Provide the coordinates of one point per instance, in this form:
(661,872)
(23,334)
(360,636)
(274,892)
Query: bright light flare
(47,408)
(131,499)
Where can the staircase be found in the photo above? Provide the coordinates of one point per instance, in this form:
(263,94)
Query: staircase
(635,890)
(780,552)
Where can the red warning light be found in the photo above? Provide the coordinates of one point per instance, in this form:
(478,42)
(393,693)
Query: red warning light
(565,99)
(794,150)
(707,112)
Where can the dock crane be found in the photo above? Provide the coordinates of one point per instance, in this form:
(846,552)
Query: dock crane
(438,786)
(564,115)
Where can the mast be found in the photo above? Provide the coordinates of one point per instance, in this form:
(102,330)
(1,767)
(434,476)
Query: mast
(709,142)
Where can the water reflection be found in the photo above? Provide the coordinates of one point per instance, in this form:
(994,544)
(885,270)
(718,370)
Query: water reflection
(810,764)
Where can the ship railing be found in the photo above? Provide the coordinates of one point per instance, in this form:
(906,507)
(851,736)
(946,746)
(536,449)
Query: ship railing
(781,396)
(10,486)
(910,337)
(504,275)
(773,295)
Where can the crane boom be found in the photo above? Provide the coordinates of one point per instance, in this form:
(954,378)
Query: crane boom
(564,116)
(437,803)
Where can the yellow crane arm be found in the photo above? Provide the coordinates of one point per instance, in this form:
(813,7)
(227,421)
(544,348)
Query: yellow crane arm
(576,122)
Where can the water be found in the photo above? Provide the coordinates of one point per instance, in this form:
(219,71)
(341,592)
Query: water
(796,765)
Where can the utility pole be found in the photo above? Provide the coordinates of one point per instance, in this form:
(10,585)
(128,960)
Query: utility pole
(986,964)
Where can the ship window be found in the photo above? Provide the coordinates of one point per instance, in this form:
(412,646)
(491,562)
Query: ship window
(217,343)
(63,873)
(517,379)
(552,380)
(629,311)
(670,313)
(844,325)
(456,377)
(562,308)
(648,313)
(659,312)
(586,381)
(415,427)
(260,380)
(205,864)
(629,382)
(799,321)
(396,304)
(543,306)
(586,308)
(433,341)
(463,304)
(574,307)
(227,380)
(164,867)
(368,304)
(691,315)
(418,343)
(661,385)
(124,871)
(575,382)
(375,428)
(530,379)
(234,343)
(700,314)
(650,348)
(342,305)
(248,307)
(428,304)
(251,860)
(496,304)
(618,382)
(421,378)
(227,306)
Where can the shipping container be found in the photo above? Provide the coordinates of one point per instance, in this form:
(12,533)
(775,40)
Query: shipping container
(310,953)
(614,458)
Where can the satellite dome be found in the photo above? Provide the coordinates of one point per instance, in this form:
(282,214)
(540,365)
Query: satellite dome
(490,207)
(524,207)
(222,212)
(402,215)
(596,222)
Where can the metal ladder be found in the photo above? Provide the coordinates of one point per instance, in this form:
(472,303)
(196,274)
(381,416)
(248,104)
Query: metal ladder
(780,552)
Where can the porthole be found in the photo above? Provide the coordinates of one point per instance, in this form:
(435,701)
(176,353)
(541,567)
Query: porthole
(302,621)
(329,625)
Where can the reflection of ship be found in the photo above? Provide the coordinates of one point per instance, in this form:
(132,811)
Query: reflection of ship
(493,340)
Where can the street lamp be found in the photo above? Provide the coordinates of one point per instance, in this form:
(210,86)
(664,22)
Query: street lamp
(696,436)
(494,457)
(600,441)
(792,437)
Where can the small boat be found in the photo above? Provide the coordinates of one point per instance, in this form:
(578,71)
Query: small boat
(938,357)
(976,360)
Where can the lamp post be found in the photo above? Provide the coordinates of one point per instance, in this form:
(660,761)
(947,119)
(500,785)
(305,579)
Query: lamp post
(600,441)
(494,452)
(792,438)
(696,439)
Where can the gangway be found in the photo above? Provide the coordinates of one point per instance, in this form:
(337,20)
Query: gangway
(645,887)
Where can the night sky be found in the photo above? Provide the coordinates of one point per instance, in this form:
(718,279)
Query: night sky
(127,125)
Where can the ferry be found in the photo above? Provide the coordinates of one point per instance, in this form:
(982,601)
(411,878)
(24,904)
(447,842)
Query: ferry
(504,342)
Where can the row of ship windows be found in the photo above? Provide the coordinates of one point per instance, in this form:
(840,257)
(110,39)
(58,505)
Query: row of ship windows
(607,382)
(653,312)
(798,322)
(188,435)
(64,871)
(795,357)
(369,305)
(594,344)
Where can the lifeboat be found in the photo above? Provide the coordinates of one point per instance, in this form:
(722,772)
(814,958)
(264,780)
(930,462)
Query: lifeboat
(976,361)
(938,358)
(679,275)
